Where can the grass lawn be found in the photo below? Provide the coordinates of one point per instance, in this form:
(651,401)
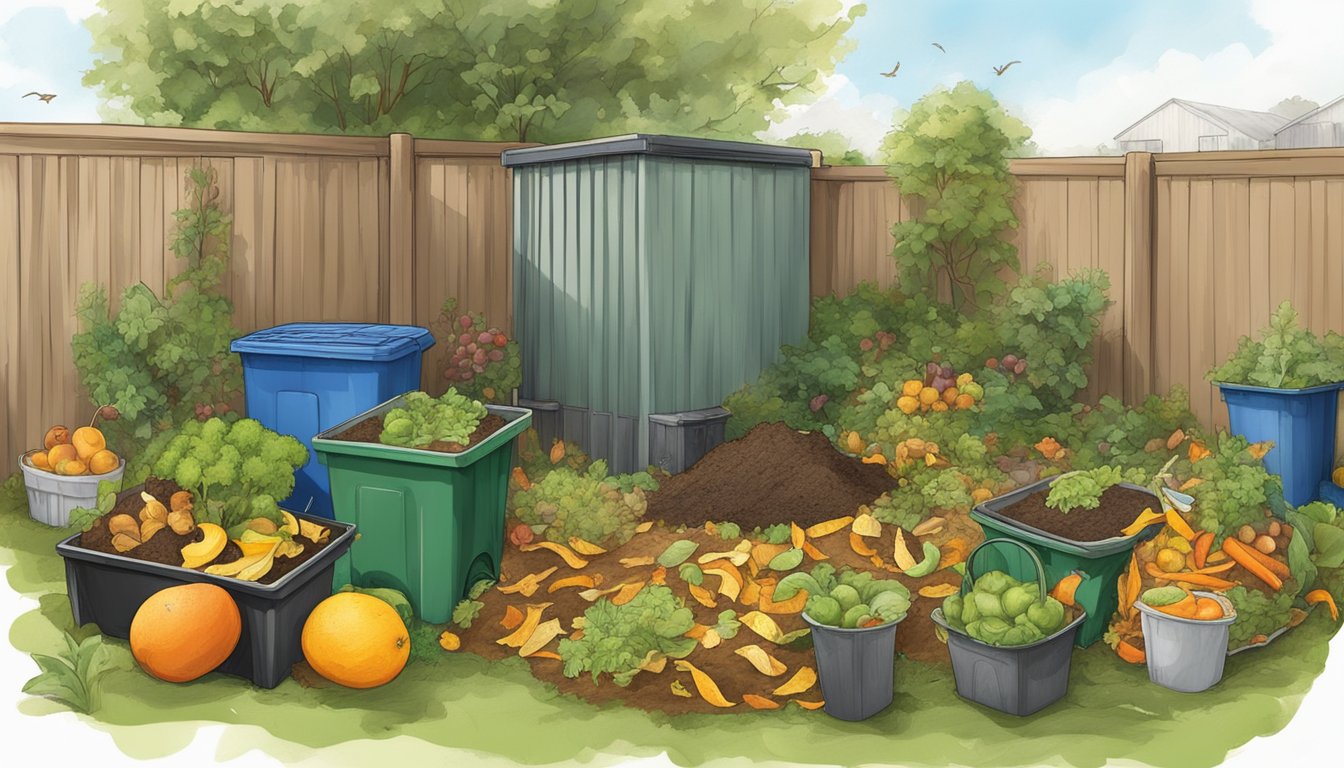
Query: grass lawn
(497,709)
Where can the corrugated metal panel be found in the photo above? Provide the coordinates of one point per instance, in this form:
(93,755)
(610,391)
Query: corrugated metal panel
(651,284)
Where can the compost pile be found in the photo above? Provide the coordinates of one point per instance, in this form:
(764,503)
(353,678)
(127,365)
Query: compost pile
(1119,506)
(773,474)
(368,431)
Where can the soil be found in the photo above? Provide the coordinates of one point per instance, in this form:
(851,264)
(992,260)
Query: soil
(1119,506)
(773,474)
(166,546)
(368,430)
(734,675)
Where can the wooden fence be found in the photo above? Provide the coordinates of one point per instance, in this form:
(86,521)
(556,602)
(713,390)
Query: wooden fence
(325,228)
(1199,247)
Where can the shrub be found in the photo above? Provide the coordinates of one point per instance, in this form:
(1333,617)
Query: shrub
(483,362)
(1287,356)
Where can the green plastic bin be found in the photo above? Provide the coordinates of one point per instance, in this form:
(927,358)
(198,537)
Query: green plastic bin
(1100,563)
(431,524)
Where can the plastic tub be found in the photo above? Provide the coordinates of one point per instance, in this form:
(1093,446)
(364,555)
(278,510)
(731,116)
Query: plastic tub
(678,440)
(107,590)
(1186,655)
(431,523)
(52,496)
(1100,563)
(1300,423)
(856,668)
(303,378)
(1018,680)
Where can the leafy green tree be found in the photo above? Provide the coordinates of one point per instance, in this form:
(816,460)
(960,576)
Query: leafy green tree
(538,70)
(950,156)
(835,147)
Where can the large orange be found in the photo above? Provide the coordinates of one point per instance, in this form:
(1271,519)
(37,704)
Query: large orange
(183,632)
(88,441)
(356,640)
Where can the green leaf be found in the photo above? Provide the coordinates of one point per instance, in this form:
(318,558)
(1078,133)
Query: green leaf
(677,552)
(1329,545)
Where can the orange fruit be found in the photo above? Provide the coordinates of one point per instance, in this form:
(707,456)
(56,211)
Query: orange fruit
(907,404)
(964,401)
(61,452)
(928,395)
(39,460)
(72,467)
(103,462)
(183,632)
(912,387)
(355,640)
(55,436)
(88,441)
(939,406)
(950,395)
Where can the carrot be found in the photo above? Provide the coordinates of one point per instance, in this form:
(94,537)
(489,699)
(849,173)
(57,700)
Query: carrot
(1129,653)
(1275,567)
(1220,568)
(1321,596)
(1200,548)
(1238,552)
(1198,579)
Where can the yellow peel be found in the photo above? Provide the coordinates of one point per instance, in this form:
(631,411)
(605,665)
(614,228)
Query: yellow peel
(937,590)
(761,660)
(702,596)
(767,628)
(636,562)
(519,636)
(585,547)
(797,536)
(627,593)
(593,594)
(828,527)
(711,638)
(238,566)
(567,554)
(904,560)
(582,580)
(528,585)
(705,685)
(804,678)
(734,556)
(544,633)
(680,690)
(729,586)
(644,526)
(866,525)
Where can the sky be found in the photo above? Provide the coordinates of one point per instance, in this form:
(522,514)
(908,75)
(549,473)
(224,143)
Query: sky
(1087,71)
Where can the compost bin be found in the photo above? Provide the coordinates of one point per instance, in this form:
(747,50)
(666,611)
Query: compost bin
(653,275)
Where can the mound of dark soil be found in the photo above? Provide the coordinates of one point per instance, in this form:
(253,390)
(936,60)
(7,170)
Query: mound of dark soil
(773,474)
(1119,507)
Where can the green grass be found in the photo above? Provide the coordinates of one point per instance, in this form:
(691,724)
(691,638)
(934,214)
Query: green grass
(497,709)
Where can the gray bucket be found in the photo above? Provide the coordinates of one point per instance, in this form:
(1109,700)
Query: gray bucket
(1021,679)
(1186,655)
(856,668)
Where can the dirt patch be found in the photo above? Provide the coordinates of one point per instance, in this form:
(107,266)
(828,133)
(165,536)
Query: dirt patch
(773,474)
(165,547)
(1119,506)
(368,430)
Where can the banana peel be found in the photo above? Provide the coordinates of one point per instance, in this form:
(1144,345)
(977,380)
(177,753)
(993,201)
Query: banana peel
(291,525)
(248,568)
(318,534)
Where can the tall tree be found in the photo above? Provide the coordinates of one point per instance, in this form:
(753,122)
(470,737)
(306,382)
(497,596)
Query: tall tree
(950,157)
(538,70)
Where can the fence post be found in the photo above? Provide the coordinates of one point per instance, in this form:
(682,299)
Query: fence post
(1138,318)
(401,224)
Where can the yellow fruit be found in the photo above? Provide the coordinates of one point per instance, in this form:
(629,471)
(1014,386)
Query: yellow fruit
(981,495)
(939,406)
(1338,476)
(72,468)
(39,460)
(200,553)
(61,452)
(103,462)
(854,443)
(912,387)
(964,379)
(950,395)
(355,640)
(928,395)
(907,404)
(964,401)
(183,632)
(88,441)
(55,436)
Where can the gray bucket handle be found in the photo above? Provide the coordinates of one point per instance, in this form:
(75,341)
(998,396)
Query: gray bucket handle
(970,569)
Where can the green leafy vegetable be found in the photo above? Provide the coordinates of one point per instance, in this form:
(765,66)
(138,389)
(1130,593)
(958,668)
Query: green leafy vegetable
(422,420)
(71,677)
(83,518)
(465,612)
(676,553)
(617,638)
(588,505)
(1083,489)
(1287,356)
(787,560)
(1000,610)
(848,599)
(1257,613)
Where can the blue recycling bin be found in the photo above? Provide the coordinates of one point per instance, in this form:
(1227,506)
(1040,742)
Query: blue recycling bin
(303,378)
(1300,423)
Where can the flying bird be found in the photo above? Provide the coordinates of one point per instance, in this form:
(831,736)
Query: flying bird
(44,97)
(893,71)
(939,46)
(1004,68)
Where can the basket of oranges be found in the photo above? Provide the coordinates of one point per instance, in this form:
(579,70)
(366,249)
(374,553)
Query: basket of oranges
(65,472)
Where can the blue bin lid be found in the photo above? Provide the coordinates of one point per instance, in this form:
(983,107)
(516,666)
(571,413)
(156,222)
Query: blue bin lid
(341,341)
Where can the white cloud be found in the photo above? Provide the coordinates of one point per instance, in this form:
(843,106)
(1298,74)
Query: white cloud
(1302,58)
(864,118)
(75,10)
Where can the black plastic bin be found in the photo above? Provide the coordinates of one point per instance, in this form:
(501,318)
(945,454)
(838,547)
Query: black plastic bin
(107,590)
(856,668)
(678,440)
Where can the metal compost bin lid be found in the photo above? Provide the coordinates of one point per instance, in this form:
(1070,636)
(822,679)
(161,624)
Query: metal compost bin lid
(663,146)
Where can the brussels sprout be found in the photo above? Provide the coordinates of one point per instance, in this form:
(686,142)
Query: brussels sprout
(1016,600)
(1160,596)
(884,602)
(824,610)
(991,630)
(1048,616)
(988,604)
(1021,635)
(969,611)
(789,586)
(995,583)
(855,616)
(847,596)
(952,608)
(861,581)
(973,628)
(874,588)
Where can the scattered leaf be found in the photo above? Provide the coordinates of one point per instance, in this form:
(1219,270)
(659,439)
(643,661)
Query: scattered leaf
(680,690)
(813,552)
(636,562)
(866,525)
(938,590)
(804,678)
(797,536)
(813,705)
(525,630)
(585,547)
(730,585)
(828,527)
(644,527)
(954,551)
(702,596)
(529,584)
(705,685)
(758,702)
(794,604)
(581,580)
(767,628)
(593,594)
(761,660)
(545,655)
(565,553)
(1258,450)
(677,552)
(654,662)
(762,554)
(734,556)
(627,593)
(786,560)
(859,546)
(711,638)
(1198,451)
(512,618)
(659,576)
(545,633)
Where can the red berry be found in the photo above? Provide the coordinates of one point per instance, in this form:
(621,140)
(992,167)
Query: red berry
(501,340)
(464,321)
(865,345)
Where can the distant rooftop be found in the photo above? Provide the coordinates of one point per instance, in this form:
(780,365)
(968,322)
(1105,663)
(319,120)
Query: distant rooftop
(1260,126)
